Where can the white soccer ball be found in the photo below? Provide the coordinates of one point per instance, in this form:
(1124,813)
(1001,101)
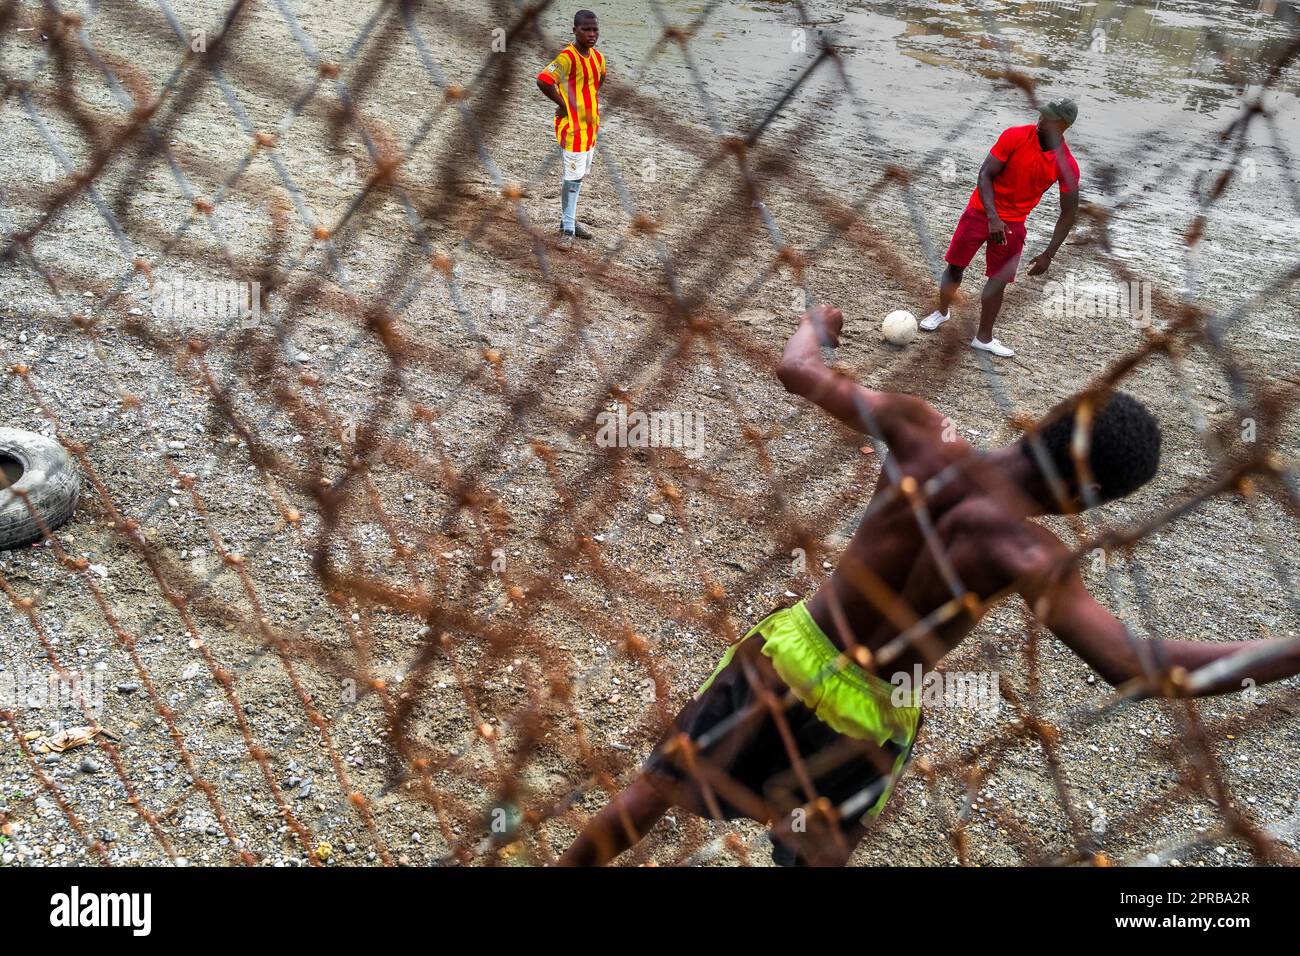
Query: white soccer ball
(899,327)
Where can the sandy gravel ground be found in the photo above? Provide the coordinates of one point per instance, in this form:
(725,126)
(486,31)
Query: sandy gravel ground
(498,395)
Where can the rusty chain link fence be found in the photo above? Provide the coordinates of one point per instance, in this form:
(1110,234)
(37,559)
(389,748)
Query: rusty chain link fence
(357,582)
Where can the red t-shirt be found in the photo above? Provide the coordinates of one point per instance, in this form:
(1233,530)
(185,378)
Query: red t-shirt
(1029,172)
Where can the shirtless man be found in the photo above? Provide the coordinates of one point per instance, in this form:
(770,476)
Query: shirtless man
(811,680)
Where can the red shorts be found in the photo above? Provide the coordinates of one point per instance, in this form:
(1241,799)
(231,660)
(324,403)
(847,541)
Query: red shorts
(972,232)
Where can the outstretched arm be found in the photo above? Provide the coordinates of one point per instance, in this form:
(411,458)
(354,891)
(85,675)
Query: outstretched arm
(1097,636)
(1064,223)
(803,372)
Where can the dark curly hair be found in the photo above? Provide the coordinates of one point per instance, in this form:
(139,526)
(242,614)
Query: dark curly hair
(1123,451)
(583,15)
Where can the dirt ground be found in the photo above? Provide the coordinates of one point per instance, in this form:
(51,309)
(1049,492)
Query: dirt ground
(251,715)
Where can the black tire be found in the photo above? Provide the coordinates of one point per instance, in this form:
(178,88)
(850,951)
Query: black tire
(48,478)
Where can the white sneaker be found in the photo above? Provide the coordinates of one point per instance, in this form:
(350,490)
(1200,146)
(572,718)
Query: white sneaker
(934,320)
(994,346)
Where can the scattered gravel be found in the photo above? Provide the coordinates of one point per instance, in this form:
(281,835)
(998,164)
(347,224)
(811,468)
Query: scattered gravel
(175,465)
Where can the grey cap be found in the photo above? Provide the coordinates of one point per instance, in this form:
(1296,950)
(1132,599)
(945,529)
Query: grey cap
(1066,110)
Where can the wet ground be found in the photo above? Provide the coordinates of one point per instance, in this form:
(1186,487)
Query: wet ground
(922,97)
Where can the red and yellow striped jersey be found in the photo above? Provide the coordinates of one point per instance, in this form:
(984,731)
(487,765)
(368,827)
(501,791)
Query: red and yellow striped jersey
(578,78)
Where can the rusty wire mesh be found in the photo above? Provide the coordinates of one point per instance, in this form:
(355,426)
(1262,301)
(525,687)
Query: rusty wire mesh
(483,637)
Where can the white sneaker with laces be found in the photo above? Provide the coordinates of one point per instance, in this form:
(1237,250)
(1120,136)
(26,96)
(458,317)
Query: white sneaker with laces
(992,345)
(934,320)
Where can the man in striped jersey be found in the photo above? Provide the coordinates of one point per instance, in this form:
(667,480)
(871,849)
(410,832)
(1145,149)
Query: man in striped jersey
(572,82)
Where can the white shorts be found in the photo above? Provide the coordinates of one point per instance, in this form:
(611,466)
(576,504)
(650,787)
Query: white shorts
(577,165)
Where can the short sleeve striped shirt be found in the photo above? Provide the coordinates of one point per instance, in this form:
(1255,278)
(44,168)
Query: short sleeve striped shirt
(578,78)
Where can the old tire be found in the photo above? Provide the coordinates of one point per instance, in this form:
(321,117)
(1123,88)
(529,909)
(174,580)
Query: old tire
(40,468)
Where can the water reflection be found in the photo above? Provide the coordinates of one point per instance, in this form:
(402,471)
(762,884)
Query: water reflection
(1201,55)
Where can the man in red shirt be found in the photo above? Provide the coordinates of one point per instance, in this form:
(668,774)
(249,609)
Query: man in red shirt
(1021,167)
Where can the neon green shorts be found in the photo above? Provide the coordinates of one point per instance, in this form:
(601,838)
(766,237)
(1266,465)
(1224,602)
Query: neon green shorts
(730,727)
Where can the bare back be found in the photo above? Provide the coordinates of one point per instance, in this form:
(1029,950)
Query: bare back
(962,531)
